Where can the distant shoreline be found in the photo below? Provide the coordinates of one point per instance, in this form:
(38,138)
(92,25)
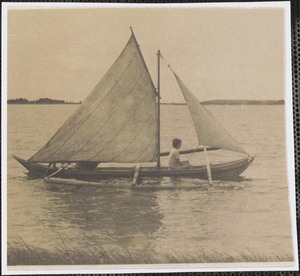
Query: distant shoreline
(39,101)
(213,102)
(43,103)
(236,102)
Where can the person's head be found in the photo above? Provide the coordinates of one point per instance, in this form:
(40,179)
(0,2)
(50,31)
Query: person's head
(176,143)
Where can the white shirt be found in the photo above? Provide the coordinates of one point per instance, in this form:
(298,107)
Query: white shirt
(174,162)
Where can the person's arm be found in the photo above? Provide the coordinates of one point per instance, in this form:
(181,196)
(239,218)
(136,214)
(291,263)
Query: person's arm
(183,163)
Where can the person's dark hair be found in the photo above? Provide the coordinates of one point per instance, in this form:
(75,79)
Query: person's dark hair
(176,142)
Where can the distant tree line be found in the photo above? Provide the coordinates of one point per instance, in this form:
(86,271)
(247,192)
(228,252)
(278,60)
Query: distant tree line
(39,101)
(242,102)
(213,102)
(236,102)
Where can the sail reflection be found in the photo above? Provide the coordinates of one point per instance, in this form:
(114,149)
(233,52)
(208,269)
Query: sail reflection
(107,215)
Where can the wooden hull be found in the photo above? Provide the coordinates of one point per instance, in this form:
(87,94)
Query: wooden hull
(223,171)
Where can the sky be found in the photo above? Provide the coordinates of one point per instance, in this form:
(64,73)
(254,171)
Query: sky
(219,53)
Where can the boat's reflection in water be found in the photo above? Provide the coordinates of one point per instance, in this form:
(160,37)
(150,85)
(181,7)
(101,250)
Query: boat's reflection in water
(112,216)
(120,216)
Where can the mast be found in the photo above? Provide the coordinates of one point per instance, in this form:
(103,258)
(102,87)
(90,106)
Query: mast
(158,108)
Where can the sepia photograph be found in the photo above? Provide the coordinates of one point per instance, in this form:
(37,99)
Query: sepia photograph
(146,137)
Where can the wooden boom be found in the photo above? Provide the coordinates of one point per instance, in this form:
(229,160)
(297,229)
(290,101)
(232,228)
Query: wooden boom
(166,153)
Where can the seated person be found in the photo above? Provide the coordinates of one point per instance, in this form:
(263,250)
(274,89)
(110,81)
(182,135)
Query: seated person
(174,161)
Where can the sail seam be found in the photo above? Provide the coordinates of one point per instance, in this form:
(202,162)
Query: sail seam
(82,103)
(88,116)
(96,108)
(143,126)
(154,136)
(108,118)
(139,106)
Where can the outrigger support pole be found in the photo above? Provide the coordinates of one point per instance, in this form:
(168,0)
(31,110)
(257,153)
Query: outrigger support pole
(208,168)
(136,174)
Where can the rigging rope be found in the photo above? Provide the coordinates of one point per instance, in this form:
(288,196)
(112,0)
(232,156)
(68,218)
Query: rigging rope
(189,114)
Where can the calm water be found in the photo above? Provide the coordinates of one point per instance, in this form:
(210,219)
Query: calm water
(230,217)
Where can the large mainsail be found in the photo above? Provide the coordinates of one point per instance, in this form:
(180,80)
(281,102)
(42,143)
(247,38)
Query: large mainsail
(209,131)
(116,123)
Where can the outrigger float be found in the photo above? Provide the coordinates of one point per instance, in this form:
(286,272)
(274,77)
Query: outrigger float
(119,122)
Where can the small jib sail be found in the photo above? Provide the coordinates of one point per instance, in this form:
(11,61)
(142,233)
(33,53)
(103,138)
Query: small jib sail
(116,123)
(209,131)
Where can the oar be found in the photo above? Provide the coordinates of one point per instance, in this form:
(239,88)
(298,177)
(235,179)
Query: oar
(208,167)
(136,174)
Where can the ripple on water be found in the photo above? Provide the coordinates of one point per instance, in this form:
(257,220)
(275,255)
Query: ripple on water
(247,216)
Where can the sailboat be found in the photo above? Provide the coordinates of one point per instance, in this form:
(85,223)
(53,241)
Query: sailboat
(119,122)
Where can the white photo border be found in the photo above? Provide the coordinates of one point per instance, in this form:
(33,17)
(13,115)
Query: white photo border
(109,269)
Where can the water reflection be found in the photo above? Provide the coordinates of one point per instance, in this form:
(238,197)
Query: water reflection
(122,215)
(251,212)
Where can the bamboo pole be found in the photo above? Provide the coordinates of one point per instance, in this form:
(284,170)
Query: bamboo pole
(208,167)
(56,172)
(136,174)
(166,153)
